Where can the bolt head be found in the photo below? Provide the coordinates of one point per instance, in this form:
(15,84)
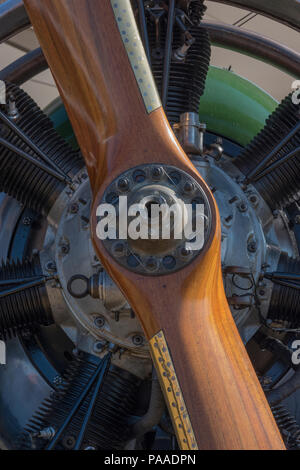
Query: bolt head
(123,184)
(50,267)
(138,340)
(189,187)
(253,199)
(152,264)
(185,252)
(119,249)
(74,208)
(242,207)
(65,249)
(99,346)
(27,221)
(252,247)
(156,173)
(99,322)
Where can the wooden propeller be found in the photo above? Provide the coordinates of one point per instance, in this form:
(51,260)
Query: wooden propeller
(212,391)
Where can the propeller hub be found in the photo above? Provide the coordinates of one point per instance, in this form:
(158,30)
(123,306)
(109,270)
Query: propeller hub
(154,219)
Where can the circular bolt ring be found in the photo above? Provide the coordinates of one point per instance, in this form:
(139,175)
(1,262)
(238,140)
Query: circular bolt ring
(80,295)
(141,179)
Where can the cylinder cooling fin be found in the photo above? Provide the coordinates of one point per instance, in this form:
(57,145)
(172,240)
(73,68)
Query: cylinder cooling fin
(281,186)
(20,178)
(285,300)
(96,401)
(23,298)
(187,73)
(107,427)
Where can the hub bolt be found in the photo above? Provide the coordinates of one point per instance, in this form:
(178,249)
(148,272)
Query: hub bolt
(185,252)
(156,173)
(119,249)
(123,184)
(189,188)
(151,264)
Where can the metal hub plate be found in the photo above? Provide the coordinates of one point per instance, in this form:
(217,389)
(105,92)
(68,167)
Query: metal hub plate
(155,184)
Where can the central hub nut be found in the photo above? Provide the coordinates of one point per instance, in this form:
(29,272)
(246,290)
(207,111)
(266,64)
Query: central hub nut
(162,219)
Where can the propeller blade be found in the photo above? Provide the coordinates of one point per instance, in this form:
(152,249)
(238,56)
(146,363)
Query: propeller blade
(97,59)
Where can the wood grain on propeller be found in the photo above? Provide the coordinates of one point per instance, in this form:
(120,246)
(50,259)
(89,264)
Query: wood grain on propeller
(224,401)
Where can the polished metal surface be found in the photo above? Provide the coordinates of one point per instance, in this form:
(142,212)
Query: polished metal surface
(189,132)
(156,192)
(251,238)
(69,248)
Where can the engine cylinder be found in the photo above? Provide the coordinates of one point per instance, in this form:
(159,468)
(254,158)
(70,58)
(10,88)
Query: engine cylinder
(25,309)
(21,179)
(285,301)
(281,187)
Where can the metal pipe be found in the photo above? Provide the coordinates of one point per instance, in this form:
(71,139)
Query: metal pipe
(168,53)
(235,39)
(144,32)
(255,45)
(14,19)
(25,68)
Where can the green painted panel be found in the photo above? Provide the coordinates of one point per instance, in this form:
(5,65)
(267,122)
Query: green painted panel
(233,107)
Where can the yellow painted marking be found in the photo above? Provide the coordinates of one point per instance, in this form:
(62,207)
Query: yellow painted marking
(171,388)
(133,44)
